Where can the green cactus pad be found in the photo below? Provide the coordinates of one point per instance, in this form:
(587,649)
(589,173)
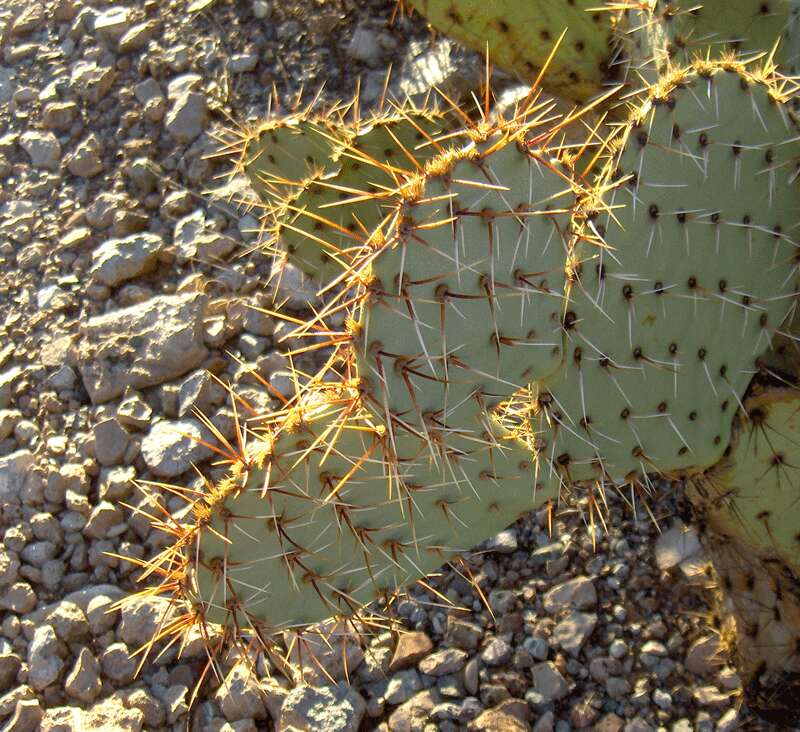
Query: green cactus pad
(281,154)
(469,292)
(749,505)
(680,290)
(334,214)
(350,516)
(521,34)
(681,30)
(370,489)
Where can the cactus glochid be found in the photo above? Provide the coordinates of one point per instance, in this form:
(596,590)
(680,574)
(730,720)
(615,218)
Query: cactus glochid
(508,317)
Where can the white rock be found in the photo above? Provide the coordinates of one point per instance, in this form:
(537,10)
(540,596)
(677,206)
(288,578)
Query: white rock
(167,331)
(118,260)
(171,447)
(43,148)
(676,545)
(187,117)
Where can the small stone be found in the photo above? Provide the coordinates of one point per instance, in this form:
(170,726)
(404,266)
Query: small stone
(18,598)
(10,665)
(493,720)
(110,442)
(365,46)
(549,682)
(27,717)
(578,592)
(187,117)
(193,237)
(294,289)
(140,621)
(92,82)
(497,653)
(446,661)
(59,116)
(100,616)
(502,602)
(44,661)
(113,22)
(574,630)
(662,699)
(331,708)
(174,700)
(402,686)
(676,545)
(137,37)
(170,448)
(610,723)
(463,633)
(261,9)
(618,648)
(85,161)
(68,621)
(134,412)
(83,681)
(152,709)
(144,174)
(241,63)
(239,695)
(118,260)
(411,647)
(116,484)
(103,516)
(118,664)
(471,676)
(43,149)
(503,543)
(411,715)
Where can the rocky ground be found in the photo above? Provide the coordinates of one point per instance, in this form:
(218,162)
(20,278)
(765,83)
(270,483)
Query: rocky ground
(126,273)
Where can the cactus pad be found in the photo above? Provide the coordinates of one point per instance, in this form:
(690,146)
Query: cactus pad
(679,289)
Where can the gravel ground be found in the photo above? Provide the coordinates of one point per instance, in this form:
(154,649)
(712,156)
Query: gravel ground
(125,275)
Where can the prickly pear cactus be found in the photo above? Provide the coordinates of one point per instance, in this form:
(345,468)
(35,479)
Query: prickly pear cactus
(508,319)
(520,35)
(369,482)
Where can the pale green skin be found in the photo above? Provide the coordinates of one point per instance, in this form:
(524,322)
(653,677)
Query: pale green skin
(521,34)
(284,154)
(471,463)
(651,38)
(680,406)
(338,195)
(443,441)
